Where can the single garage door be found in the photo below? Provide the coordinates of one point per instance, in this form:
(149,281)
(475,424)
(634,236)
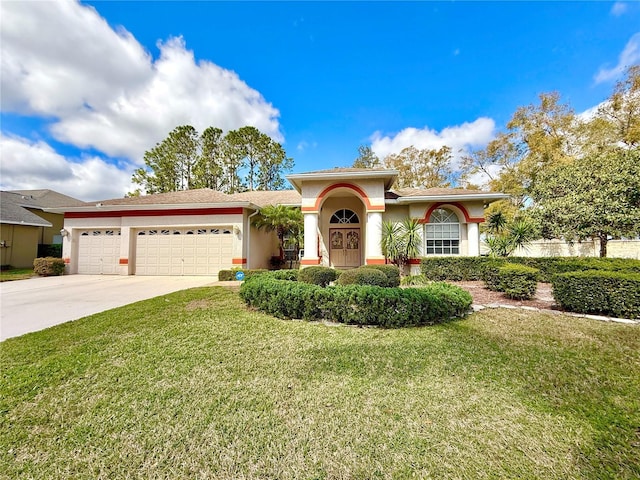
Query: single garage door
(183,251)
(99,252)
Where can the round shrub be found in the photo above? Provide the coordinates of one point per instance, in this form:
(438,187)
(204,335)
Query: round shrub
(48,266)
(363,276)
(391,272)
(518,281)
(322,276)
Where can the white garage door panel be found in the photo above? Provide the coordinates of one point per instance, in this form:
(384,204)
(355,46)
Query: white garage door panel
(183,251)
(99,252)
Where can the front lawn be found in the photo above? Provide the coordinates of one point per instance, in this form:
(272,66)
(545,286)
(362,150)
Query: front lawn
(193,385)
(16,274)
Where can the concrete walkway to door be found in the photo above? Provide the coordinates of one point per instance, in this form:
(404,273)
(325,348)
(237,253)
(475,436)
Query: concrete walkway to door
(41,302)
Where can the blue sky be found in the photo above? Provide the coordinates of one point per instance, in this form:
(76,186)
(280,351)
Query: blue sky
(86,88)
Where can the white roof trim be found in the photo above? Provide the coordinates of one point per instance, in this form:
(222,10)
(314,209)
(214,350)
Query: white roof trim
(449,198)
(296,179)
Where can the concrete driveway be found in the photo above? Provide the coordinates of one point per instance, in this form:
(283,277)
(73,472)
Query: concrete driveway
(41,302)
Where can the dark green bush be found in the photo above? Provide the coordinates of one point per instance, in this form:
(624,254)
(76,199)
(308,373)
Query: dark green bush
(285,274)
(363,276)
(599,292)
(475,268)
(226,275)
(518,281)
(391,271)
(48,266)
(454,268)
(357,304)
(322,276)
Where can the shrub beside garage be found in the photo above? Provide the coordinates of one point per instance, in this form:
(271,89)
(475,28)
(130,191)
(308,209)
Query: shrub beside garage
(48,266)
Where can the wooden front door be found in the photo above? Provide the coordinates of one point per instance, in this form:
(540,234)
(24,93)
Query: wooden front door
(344,250)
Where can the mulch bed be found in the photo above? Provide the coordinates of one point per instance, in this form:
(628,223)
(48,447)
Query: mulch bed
(543,298)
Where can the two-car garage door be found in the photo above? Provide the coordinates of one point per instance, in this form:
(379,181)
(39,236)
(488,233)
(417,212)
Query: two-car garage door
(183,251)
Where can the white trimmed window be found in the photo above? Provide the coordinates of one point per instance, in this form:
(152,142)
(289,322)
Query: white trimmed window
(442,233)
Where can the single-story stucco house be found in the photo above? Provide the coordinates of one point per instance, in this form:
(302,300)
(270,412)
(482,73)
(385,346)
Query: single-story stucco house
(199,232)
(25,225)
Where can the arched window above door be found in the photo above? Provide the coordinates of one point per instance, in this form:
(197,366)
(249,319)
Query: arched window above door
(344,216)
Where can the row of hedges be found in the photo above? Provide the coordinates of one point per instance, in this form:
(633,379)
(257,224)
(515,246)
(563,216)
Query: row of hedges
(356,304)
(599,292)
(476,268)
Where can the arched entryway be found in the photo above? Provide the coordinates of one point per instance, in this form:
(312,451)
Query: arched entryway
(345,239)
(342,230)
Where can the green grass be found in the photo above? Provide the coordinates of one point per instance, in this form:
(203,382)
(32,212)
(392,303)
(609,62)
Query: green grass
(193,385)
(16,274)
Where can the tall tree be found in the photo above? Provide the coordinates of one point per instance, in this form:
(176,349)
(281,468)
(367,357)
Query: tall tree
(185,160)
(622,109)
(209,169)
(169,166)
(421,168)
(366,158)
(264,159)
(538,137)
(593,197)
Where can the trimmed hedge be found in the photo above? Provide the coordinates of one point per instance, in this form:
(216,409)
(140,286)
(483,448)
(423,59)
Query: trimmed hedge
(322,276)
(518,281)
(357,304)
(230,275)
(475,268)
(363,276)
(48,266)
(391,271)
(599,292)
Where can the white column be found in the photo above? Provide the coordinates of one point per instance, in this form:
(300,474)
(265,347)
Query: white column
(473,240)
(125,250)
(310,239)
(374,236)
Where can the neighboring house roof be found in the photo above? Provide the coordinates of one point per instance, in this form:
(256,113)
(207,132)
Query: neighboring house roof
(13,211)
(45,198)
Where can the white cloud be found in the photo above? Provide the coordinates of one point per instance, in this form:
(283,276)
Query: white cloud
(619,8)
(630,56)
(103,90)
(459,138)
(35,165)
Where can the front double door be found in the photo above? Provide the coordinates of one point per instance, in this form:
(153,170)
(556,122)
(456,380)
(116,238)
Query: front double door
(344,247)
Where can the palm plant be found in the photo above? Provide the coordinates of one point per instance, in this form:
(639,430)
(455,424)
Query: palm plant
(283,220)
(401,241)
(505,237)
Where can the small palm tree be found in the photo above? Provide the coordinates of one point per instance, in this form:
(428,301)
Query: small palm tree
(401,241)
(285,221)
(505,237)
